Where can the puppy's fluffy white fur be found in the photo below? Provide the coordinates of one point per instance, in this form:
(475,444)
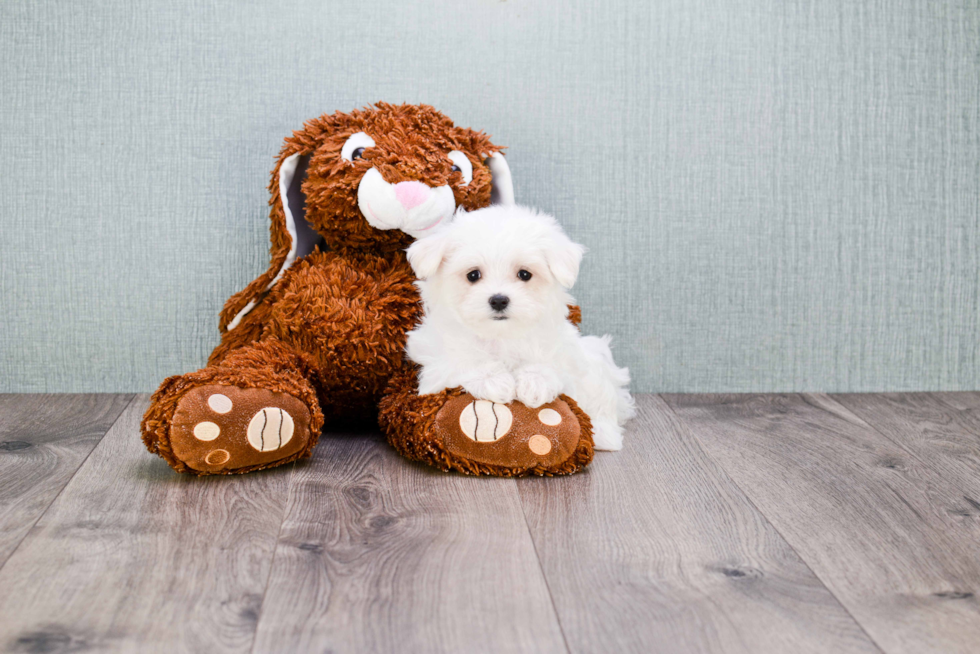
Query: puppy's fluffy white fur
(528,350)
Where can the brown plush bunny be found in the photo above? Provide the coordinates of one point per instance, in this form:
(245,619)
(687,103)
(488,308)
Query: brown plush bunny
(319,338)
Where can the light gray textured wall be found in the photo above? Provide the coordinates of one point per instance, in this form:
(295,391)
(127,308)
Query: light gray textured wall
(777,195)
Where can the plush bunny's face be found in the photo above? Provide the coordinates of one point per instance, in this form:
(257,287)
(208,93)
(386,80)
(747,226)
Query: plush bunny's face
(380,177)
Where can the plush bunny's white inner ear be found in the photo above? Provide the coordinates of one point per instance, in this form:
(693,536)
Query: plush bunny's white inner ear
(503,185)
(303,239)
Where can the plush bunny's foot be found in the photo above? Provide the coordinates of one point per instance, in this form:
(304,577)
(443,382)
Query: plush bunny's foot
(220,429)
(511,437)
(223,429)
(454,431)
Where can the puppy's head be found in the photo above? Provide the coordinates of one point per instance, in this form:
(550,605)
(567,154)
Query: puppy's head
(500,270)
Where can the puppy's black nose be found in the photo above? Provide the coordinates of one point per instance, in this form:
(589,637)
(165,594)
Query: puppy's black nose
(499,302)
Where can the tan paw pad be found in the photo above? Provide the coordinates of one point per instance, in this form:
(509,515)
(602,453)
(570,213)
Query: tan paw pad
(220,403)
(539,444)
(270,429)
(549,417)
(485,421)
(217,457)
(206,431)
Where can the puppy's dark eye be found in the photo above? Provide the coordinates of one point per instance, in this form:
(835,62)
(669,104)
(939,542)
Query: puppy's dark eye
(473,276)
(455,168)
(357,154)
(524,275)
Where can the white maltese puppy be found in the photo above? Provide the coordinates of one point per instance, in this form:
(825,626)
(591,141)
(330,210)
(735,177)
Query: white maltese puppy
(493,283)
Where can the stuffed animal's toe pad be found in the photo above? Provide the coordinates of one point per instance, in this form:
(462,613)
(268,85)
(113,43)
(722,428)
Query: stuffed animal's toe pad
(225,428)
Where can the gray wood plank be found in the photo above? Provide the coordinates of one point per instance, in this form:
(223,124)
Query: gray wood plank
(875,527)
(43,441)
(134,557)
(654,549)
(968,401)
(935,434)
(380,554)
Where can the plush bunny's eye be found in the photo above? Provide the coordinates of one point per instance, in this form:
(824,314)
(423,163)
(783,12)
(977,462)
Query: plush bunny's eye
(461,163)
(354,147)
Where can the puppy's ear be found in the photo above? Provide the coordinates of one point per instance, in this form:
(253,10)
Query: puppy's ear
(564,257)
(427,254)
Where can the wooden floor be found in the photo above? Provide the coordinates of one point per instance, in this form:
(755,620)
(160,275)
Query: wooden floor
(740,523)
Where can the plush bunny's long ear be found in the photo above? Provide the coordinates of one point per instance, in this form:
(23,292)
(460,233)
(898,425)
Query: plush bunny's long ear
(503,184)
(305,238)
(292,236)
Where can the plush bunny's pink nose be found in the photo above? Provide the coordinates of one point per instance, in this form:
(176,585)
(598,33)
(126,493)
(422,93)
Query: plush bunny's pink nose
(411,194)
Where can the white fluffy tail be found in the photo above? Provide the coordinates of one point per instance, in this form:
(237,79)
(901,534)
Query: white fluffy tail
(605,394)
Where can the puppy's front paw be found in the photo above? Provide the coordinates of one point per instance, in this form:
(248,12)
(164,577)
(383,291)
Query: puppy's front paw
(500,388)
(537,386)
